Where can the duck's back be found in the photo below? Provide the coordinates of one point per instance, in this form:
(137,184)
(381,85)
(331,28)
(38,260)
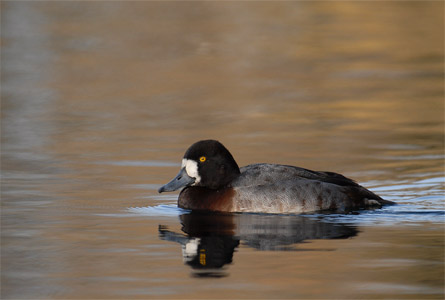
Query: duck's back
(287,189)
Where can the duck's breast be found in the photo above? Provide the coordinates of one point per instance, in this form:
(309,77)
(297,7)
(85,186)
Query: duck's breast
(201,198)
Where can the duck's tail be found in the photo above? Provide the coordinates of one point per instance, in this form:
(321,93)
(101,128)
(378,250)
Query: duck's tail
(366,198)
(386,202)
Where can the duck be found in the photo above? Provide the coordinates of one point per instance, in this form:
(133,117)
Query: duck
(210,180)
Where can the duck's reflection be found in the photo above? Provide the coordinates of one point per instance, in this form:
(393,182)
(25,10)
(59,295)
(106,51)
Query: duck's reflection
(210,239)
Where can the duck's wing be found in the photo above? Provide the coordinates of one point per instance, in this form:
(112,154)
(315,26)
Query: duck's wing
(267,173)
(281,188)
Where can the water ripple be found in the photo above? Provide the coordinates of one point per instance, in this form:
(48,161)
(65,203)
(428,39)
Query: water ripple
(139,163)
(163,210)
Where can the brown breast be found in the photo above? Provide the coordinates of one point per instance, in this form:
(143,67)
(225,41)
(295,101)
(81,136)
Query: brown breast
(200,198)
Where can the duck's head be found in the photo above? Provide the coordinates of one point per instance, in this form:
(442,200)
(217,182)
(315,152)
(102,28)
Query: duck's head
(206,163)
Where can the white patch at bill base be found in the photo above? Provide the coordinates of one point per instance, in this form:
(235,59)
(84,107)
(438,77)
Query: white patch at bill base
(191,167)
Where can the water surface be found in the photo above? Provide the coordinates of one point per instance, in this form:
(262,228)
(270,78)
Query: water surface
(101,99)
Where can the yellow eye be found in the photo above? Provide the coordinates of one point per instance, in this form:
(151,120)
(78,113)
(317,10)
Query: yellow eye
(202,159)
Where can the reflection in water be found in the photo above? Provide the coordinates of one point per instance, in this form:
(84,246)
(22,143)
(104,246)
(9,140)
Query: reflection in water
(210,239)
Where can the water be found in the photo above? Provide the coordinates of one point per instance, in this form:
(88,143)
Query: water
(101,99)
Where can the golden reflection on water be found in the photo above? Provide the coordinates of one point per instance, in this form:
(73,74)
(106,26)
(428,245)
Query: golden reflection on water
(92,91)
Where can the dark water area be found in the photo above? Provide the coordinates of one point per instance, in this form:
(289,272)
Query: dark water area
(100,100)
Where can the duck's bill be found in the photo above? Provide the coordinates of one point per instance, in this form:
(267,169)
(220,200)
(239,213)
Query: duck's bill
(181,180)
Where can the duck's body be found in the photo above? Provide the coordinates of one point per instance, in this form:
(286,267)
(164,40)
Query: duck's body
(212,181)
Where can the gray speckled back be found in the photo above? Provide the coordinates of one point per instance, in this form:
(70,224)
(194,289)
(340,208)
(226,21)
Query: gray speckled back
(287,189)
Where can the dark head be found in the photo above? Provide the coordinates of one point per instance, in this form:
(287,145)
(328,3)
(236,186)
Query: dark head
(207,164)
